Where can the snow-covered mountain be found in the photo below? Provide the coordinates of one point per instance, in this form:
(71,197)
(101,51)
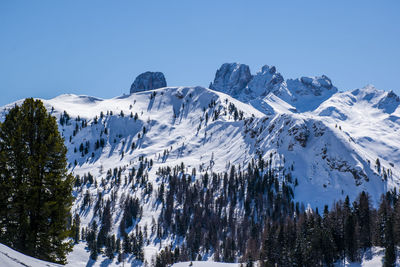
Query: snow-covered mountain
(332,143)
(302,94)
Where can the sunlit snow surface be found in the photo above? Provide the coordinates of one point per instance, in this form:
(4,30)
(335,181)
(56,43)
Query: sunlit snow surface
(12,258)
(344,135)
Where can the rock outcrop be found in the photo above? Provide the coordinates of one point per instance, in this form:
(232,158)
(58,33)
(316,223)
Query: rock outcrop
(148,81)
(389,103)
(265,81)
(231,78)
(303,94)
(316,86)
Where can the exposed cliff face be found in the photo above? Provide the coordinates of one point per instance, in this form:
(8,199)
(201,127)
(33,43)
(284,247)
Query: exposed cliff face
(236,80)
(302,94)
(265,81)
(148,81)
(232,79)
(389,103)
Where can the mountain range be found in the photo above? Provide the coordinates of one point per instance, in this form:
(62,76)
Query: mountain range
(332,143)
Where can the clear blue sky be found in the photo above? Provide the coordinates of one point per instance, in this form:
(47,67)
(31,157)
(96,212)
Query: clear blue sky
(98,47)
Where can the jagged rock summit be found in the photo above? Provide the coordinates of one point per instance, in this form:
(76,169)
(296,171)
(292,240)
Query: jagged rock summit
(265,81)
(236,80)
(231,78)
(148,81)
(303,94)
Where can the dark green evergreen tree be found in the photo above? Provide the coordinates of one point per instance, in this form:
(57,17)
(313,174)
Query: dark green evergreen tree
(349,233)
(36,189)
(389,259)
(75,228)
(364,220)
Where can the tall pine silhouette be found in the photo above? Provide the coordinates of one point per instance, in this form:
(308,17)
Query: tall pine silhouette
(35,188)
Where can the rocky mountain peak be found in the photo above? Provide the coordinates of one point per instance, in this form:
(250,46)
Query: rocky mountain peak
(317,82)
(265,81)
(307,93)
(236,80)
(389,103)
(148,81)
(231,78)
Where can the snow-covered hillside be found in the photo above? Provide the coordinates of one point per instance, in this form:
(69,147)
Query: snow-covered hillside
(332,143)
(12,258)
(332,151)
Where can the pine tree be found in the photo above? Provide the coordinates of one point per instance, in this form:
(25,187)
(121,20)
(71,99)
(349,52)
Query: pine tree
(36,190)
(110,248)
(396,219)
(126,245)
(364,220)
(93,252)
(349,234)
(75,228)
(390,254)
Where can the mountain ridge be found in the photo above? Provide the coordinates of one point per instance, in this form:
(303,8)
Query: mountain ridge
(330,151)
(305,126)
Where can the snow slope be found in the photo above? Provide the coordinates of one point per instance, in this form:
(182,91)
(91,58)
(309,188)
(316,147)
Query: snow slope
(331,150)
(12,258)
(205,264)
(331,147)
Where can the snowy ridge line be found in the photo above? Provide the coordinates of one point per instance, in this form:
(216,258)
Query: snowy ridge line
(153,112)
(333,143)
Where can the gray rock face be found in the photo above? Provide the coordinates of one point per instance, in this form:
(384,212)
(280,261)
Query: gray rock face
(231,78)
(236,80)
(148,81)
(316,86)
(303,94)
(389,103)
(265,81)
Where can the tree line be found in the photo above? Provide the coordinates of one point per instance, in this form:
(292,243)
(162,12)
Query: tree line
(245,215)
(249,216)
